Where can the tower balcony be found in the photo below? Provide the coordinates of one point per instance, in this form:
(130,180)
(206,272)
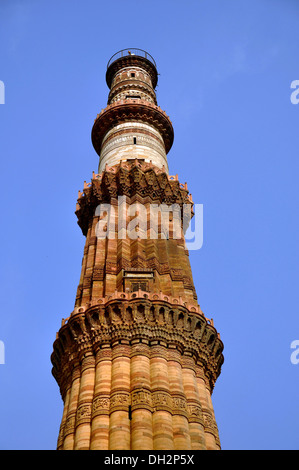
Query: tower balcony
(131,52)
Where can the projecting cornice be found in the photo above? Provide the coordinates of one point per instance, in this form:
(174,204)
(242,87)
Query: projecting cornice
(132,179)
(123,321)
(132,110)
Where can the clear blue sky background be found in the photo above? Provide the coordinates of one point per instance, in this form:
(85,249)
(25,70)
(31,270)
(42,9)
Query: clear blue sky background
(225,73)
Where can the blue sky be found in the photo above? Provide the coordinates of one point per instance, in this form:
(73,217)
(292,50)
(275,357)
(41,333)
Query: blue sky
(225,73)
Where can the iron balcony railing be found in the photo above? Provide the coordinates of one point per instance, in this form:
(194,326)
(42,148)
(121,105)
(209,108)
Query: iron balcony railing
(131,51)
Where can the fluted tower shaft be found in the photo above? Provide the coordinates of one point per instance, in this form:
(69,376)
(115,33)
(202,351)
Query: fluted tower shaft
(136,360)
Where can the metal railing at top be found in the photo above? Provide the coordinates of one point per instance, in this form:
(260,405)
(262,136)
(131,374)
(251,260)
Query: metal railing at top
(131,51)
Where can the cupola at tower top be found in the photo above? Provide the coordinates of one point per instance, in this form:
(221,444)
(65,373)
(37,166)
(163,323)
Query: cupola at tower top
(132,58)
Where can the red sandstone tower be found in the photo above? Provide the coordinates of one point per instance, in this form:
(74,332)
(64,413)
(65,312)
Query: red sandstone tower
(136,361)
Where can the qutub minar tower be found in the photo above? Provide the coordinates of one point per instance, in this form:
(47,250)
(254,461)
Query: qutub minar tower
(136,361)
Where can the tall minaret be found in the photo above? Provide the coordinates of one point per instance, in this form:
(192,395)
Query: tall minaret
(136,361)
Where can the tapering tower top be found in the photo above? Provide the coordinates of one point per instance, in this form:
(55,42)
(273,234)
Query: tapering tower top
(133,58)
(132,126)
